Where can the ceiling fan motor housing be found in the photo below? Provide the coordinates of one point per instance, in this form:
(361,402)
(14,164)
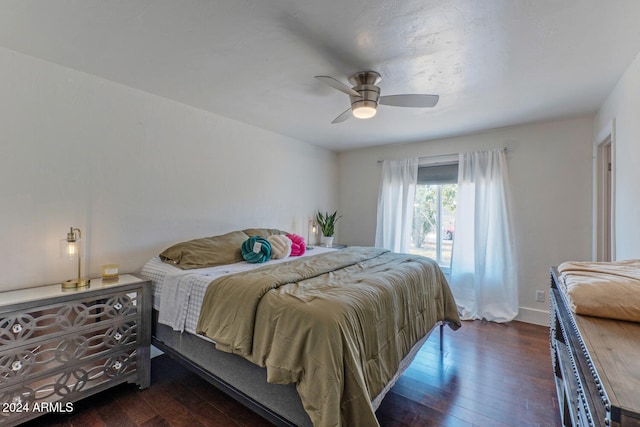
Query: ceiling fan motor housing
(365,83)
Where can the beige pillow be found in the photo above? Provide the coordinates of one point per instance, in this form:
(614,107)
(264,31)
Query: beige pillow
(206,252)
(263,232)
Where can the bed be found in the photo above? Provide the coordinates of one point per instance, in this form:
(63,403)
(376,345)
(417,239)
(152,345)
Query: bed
(316,339)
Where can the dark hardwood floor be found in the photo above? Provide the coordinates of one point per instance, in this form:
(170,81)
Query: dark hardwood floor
(488,375)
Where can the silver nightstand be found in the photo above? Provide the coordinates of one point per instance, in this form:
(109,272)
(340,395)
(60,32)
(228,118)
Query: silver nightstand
(58,346)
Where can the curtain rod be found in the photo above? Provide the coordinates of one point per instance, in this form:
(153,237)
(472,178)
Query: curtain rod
(442,155)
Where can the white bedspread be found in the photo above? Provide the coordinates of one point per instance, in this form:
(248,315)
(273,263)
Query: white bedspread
(178,294)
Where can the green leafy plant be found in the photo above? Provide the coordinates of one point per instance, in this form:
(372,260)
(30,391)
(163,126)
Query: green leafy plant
(327,222)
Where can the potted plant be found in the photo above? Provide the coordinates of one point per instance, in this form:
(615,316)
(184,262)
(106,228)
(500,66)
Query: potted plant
(327,223)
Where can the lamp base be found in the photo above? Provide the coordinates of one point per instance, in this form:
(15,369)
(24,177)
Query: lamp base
(75,283)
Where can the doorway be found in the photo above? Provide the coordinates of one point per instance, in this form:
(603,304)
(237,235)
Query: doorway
(605,206)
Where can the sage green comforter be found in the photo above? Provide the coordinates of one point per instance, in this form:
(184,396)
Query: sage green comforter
(336,324)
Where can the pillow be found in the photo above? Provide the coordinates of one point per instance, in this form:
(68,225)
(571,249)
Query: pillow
(256,249)
(263,232)
(298,247)
(280,246)
(206,252)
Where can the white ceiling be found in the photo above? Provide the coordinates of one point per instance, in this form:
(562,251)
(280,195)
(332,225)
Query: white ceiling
(494,63)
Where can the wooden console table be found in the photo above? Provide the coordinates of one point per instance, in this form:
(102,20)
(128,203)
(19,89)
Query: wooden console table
(596,363)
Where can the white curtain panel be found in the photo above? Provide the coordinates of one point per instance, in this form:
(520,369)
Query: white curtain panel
(483,262)
(395,204)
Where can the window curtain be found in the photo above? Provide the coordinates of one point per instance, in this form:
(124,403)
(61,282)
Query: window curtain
(395,204)
(483,262)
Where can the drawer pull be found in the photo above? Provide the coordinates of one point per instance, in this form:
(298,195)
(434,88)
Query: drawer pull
(16,366)
(17,328)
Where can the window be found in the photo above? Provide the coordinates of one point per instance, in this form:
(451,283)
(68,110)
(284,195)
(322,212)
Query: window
(434,213)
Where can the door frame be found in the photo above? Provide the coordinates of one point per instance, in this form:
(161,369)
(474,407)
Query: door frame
(604,236)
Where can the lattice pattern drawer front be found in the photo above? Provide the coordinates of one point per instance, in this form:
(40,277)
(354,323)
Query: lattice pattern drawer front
(66,346)
(22,327)
(70,384)
(25,362)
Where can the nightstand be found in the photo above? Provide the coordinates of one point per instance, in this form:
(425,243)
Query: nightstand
(58,346)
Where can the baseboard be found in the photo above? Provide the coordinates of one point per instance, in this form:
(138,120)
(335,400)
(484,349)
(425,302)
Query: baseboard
(533,315)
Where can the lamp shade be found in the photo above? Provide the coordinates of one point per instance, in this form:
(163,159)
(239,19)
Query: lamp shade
(71,248)
(312,229)
(364,109)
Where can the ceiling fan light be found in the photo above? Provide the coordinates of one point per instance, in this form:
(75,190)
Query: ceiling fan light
(364,109)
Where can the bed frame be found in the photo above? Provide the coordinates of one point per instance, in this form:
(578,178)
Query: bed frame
(247,382)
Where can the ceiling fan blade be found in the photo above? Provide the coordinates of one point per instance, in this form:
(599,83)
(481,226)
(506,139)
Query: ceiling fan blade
(336,84)
(414,100)
(342,117)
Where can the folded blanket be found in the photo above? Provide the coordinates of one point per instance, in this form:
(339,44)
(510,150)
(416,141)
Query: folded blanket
(603,289)
(175,299)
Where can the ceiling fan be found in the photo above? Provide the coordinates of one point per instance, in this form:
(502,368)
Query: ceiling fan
(365,96)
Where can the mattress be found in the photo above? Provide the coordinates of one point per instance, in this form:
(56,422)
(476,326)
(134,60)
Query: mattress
(178,294)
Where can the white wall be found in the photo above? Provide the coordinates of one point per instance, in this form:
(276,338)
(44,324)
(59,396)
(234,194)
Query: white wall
(135,172)
(623,105)
(550,171)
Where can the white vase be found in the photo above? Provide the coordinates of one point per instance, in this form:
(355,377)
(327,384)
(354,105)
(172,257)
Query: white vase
(327,241)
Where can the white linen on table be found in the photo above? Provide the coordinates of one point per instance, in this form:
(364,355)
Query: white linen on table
(178,294)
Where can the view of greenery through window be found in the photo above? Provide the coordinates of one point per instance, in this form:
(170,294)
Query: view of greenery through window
(434,222)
